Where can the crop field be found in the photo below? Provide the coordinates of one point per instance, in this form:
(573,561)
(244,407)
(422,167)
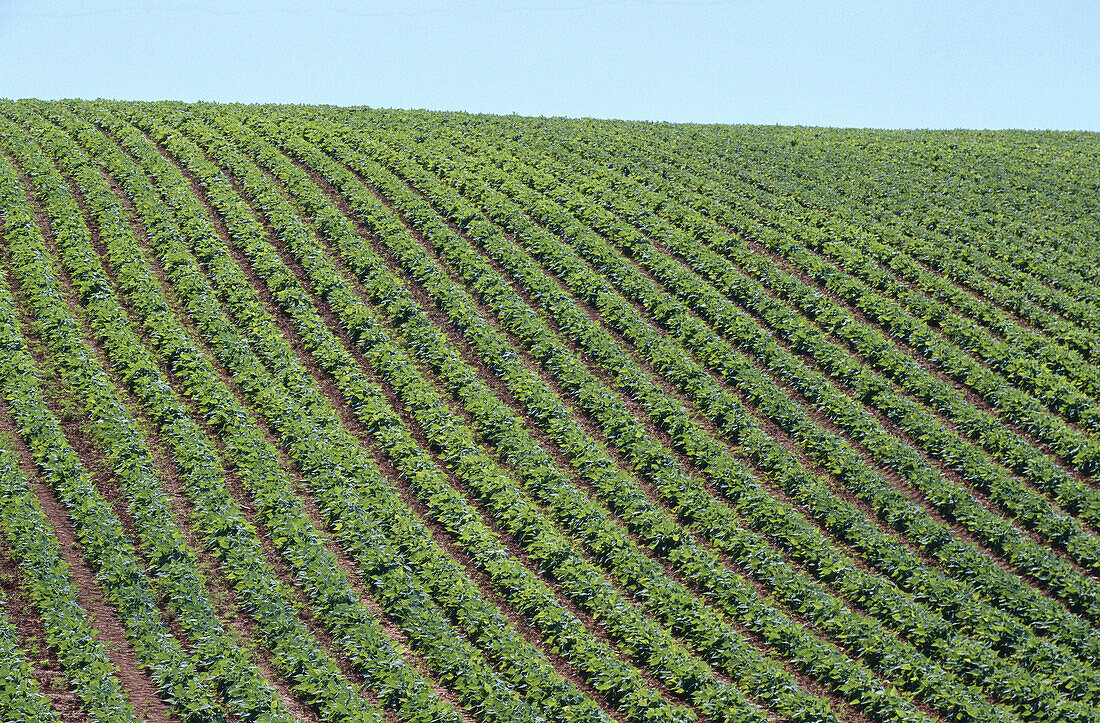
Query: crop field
(340,414)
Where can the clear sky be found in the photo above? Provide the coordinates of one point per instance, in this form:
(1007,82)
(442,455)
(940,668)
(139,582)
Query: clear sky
(866,63)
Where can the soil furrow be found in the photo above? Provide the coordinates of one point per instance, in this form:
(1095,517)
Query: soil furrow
(138,687)
(532,427)
(291,584)
(21,609)
(632,404)
(442,538)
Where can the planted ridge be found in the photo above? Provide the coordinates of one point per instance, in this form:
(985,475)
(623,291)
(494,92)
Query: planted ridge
(383,415)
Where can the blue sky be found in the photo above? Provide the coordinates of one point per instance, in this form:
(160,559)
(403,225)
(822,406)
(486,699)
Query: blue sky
(794,62)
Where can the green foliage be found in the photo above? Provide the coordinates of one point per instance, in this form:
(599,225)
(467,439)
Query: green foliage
(681,418)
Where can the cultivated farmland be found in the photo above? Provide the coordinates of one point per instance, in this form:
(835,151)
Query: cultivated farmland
(329,414)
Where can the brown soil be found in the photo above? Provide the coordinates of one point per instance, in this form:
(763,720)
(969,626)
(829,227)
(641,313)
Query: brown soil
(442,323)
(283,571)
(440,535)
(239,624)
(329,389)
(227,608)
(138,687)
(22,611)
(347,417)
(517,621)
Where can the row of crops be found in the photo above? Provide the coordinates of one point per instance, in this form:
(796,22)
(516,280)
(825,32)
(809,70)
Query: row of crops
(332,414)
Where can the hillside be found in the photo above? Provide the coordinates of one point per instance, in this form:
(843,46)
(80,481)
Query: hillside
(332,414)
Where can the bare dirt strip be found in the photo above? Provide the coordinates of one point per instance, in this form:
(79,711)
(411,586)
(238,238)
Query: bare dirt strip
(226,604)
(138,687)
(239,622)
(301,486)
(21,609)
(458,484)
(351,424)
(284,572)
(442,323)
